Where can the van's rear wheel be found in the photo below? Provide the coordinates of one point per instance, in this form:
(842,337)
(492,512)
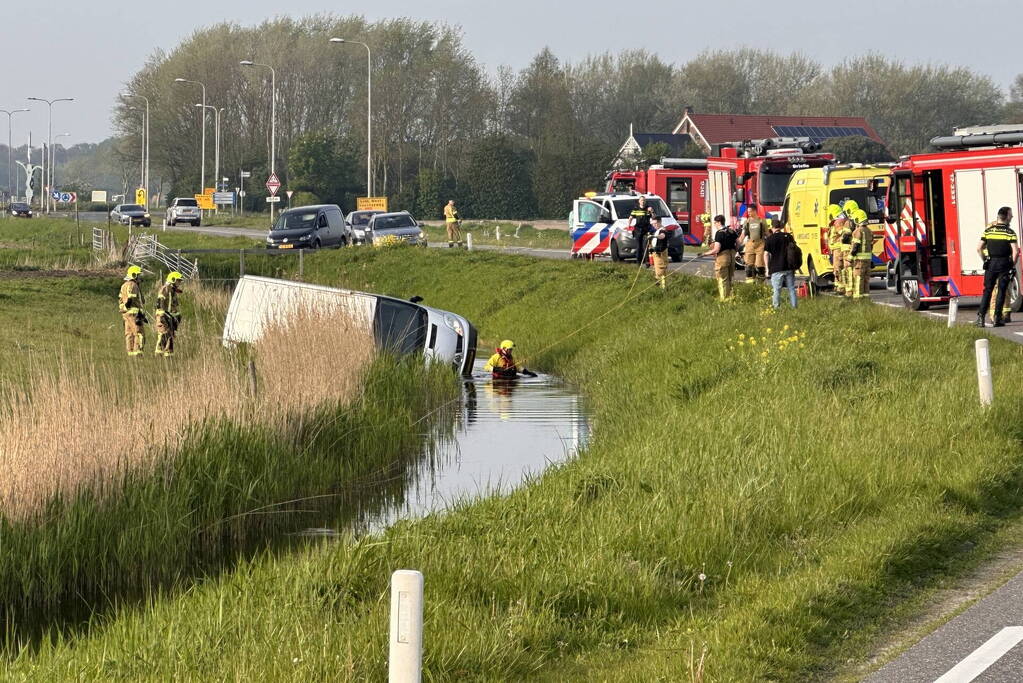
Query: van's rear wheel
(910,289)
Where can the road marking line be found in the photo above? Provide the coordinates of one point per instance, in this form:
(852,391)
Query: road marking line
(984,656)
(1019,333)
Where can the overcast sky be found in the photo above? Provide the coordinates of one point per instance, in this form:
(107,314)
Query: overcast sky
(88,49)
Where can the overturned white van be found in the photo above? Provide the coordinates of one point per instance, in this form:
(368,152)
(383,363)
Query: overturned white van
(397,325)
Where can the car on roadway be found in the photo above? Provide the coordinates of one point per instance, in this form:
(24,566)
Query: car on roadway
(184,210)
(21,210)
(397,325)
(601,224)
(310,227)
(396,225)
(358,220)
(131,214)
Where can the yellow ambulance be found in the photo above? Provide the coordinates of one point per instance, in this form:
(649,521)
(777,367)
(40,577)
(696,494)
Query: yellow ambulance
(805,212)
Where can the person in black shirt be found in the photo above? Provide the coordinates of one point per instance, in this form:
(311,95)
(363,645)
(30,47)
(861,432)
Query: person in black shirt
(782,271)
(726,241)
(659,237)
(1001,247)
(640,219)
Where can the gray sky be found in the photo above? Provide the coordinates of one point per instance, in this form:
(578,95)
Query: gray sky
(96,45)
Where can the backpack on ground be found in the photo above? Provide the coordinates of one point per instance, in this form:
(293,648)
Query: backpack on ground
(793,254)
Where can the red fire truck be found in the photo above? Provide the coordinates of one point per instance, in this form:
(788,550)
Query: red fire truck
(681,183)
(939,204)
(756,173)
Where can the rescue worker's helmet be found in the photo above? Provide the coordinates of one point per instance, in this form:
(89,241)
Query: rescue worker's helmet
(833,211)
(860,216)
(850,207)
(133,273)
(507,345)
(174,276)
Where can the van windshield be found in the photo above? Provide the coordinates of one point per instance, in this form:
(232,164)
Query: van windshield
(296,220)
(393,222)
(863,198)
(623,207)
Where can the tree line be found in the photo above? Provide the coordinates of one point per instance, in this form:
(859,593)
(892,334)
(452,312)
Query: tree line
(511,144)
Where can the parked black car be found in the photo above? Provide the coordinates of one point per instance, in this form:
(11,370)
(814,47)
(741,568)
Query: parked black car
(310,227)
(131,214)
(21,210)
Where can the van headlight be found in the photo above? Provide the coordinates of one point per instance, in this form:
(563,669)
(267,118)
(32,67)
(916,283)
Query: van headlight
(145,215)
(422,234)
(454,323)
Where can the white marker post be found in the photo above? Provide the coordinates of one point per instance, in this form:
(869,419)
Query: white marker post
(953,310)
(987,390)
(405,664)
(468,241)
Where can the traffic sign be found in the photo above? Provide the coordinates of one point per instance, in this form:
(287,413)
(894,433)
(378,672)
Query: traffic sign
(273,184)
(205,201)
(99,196)
(371,203)
(140,196)
(289,193)
(273,200)
(246,174)
(223,197)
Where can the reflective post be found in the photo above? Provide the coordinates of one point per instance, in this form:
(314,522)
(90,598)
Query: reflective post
(953,310)
(405,664)
(984,381)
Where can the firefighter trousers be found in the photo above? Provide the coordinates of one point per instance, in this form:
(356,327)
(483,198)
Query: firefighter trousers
(1006,305)
(454,232)
(861,278)
(133,339)
(660,260)
(724,271)
(998,274)
(753,254)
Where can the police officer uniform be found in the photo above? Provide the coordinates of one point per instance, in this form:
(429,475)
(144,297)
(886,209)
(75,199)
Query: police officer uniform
(640,218)
(997,241)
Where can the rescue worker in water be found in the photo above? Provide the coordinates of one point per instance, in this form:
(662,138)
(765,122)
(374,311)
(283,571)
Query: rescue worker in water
(502,364)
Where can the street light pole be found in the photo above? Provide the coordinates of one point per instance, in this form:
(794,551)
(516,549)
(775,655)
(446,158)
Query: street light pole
(10,153)
(216,143)
(273,121)
(145,145)
(202,173)
(48,176)
(369,112)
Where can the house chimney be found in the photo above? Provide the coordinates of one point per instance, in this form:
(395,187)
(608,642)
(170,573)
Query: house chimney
(630,130)
(688,110)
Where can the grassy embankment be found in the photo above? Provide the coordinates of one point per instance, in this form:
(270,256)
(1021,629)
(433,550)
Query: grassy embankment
(124,478)
(745,511)
(486,234)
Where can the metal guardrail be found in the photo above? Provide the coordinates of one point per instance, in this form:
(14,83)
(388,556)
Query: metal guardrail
(144,248)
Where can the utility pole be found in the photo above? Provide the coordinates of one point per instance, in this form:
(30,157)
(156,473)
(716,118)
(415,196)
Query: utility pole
(10,153)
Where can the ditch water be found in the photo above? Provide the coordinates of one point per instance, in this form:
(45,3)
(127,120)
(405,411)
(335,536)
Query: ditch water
(497,435)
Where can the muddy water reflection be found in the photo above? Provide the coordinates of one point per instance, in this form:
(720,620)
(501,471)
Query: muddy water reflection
(499,434)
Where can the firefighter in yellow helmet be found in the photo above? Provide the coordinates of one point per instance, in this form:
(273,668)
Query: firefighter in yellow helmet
(130,302)
(502,364)
(862,254)
(834,240)
(168,314)
(846,225)
(754,230)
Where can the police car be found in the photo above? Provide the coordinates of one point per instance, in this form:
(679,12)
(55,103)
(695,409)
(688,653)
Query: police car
(600,226)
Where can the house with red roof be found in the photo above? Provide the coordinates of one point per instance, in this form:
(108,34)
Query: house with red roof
(708,130)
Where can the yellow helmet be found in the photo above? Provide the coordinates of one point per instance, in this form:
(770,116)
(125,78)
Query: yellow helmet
(860,217)
(174,276)
(833,211)
(508,344)
(132,273)
(850,206)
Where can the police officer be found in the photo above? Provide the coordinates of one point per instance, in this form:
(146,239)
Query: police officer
(862,254)
(168,315)
(726,240)
(640,219)
(130,304)
(755,232)
(659,238)
(1001,246)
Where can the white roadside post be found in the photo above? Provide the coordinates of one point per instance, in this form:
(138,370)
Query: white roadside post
(953,310)
(405,663)
(468,241)
(987,390)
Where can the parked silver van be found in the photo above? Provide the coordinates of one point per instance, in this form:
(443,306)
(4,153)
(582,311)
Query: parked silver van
(397,325)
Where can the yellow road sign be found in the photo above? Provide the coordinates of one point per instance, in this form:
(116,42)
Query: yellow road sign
(205,201)
(140,196)
(371,204)
(209,190)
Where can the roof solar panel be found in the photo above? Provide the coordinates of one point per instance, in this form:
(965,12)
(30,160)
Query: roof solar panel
(819,133)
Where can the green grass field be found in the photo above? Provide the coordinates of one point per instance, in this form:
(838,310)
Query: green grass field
(745,511)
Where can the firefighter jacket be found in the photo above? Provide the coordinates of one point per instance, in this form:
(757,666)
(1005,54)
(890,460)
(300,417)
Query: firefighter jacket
(167,298)
(502,366)
(130,297)
(450,214)
(834,235)
(862,243)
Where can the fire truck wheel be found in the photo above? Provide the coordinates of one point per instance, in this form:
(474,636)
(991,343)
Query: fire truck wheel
(675,256)
(1015,296)
(911,295)
(615,256)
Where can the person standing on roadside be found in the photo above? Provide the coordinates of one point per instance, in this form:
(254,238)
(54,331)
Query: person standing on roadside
(130,304)
(1001,246)
(453,224)
(783,257)
(726,241)
(640,218)
(862,254)
(659,237)
(754,230)
(168,315)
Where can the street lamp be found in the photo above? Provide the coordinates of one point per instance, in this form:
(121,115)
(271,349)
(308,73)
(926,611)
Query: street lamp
(216,142)
(10,152)
(369,112)
(273,121)
(202,173)
(49,137)
(145,145)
